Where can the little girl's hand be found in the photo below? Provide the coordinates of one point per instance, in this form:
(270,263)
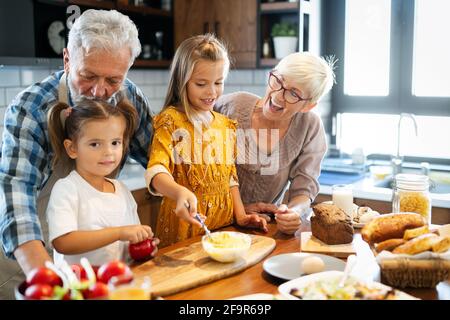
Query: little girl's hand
(252,221)
(135,233)
(187,206)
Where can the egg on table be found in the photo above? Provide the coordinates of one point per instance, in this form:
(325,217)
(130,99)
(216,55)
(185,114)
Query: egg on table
(312,264)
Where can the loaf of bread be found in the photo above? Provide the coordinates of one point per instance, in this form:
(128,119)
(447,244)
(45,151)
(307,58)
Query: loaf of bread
(331,225)
(389,244)
(417,245)
(388,226)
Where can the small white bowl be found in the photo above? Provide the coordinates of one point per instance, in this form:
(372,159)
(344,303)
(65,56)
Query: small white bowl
(226,246)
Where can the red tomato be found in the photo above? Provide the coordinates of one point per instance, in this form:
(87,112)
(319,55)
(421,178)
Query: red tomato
(43,276)
(38,291)
(111,269)
(96,291)
(141,251)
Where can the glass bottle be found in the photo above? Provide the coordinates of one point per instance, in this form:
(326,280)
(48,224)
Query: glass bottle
(411,194)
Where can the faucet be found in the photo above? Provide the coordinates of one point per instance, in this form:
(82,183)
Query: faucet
(397,161)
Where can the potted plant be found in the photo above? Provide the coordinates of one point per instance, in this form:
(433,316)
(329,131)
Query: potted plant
(284,39)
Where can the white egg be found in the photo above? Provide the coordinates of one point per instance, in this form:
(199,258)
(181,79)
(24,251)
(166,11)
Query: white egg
(312,265)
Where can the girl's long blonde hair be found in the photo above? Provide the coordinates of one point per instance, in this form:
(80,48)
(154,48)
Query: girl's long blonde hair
(202,47)
(66,122)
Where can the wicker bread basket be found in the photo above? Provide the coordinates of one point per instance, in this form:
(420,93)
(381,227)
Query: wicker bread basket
(402,273)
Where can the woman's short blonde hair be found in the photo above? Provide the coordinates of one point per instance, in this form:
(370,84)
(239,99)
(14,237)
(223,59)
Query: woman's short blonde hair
(202,47)
(313,74)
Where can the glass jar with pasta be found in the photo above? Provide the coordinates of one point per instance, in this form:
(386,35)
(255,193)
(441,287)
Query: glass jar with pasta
(411,194)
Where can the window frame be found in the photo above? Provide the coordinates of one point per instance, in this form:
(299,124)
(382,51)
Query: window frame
(400,98)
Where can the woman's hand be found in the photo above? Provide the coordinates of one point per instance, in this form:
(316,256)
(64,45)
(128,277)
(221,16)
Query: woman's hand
(288,220)
(252,221)
(187,206)
(135,233)
(262,209)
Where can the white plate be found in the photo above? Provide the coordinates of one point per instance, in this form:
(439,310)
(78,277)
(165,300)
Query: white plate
(288,266)
(326,276)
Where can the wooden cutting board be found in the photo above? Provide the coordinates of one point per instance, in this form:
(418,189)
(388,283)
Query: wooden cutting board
(189,267)
(311,244)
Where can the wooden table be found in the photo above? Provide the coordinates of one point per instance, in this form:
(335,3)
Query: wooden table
(256,280)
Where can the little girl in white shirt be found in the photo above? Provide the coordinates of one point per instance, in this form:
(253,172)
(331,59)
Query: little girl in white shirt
(89,214)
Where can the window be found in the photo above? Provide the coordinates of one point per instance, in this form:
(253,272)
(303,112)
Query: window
(392,58)
(431,69)
(379,135)
(367,34)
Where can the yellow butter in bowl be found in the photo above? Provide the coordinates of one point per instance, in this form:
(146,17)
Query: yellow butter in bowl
(226,246)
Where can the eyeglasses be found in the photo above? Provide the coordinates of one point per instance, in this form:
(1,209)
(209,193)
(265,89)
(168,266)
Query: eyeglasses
(289,95)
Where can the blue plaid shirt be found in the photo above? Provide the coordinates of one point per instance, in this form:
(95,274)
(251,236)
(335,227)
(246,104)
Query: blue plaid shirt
(25,162)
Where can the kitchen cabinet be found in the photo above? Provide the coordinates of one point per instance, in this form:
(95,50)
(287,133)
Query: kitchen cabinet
(147,207)
(233,21)
(305,14)
(46,29)
(438,215)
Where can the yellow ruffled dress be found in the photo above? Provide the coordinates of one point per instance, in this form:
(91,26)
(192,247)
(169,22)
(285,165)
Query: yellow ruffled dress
(200,159)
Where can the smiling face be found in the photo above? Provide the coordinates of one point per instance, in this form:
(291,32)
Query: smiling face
(276,108)
(98,149)
(206,84)
(98,74)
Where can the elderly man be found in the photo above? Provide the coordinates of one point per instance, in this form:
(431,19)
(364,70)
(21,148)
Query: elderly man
(101,48)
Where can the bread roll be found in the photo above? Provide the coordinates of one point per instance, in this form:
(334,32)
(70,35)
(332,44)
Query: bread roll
(388,226)
(389,245)
(417,245)
(442,245)
(414,233)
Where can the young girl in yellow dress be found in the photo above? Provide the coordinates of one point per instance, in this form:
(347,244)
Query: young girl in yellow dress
(193,150)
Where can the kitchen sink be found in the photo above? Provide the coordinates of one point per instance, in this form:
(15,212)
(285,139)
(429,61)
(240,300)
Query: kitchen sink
(435,187)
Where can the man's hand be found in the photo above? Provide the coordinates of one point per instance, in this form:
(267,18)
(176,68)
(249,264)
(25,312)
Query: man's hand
(262,209)
(30,255)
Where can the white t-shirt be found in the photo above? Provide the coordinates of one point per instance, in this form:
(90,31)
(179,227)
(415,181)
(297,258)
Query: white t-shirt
(76,205)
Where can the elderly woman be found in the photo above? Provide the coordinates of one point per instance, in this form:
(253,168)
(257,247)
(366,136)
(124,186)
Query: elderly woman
(280,142)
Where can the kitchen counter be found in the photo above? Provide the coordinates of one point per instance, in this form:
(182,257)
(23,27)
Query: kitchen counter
(364,189)
(133,176)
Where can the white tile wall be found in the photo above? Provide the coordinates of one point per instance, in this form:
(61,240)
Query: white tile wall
(240,77)
(30,76)
(9,77)
(2,115)
(11,93)
(2,97)
(260,77)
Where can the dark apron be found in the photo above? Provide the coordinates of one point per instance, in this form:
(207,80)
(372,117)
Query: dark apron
(10,273)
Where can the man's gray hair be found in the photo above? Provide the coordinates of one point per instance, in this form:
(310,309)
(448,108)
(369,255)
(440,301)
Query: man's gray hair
(105,30)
